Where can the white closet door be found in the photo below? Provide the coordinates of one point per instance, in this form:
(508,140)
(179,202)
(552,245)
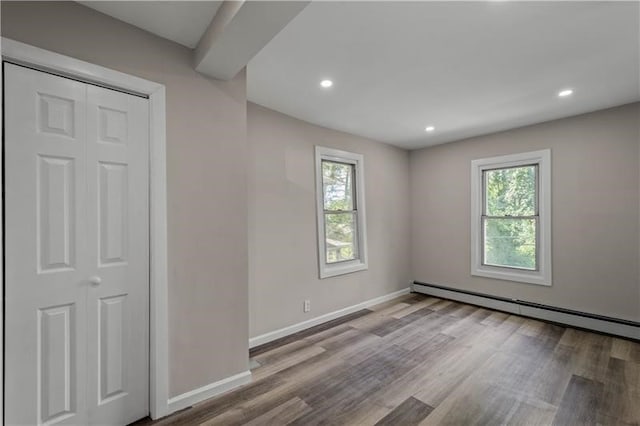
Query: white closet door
(76,252)
(118,220)
(45,254)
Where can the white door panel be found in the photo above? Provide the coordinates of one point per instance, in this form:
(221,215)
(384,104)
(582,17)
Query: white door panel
(76,208)
(118,214)
(46,345)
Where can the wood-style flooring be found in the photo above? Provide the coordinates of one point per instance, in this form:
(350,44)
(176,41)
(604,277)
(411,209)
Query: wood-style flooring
(423,360)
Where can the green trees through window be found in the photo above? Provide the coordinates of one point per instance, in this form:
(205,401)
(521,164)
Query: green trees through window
(340,211)
(510,217)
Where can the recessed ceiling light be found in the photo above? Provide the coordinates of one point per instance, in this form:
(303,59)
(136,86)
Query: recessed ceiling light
(326,83)
(565,92)
(429,129)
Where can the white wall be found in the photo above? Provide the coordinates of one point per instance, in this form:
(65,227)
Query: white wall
(595,211)
(283,249)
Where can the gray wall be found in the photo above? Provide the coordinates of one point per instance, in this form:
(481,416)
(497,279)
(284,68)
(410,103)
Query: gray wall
(283,250)
(206,172)
(595,205)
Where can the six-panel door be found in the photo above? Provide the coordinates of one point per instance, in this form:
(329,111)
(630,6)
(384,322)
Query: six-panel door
(77,248)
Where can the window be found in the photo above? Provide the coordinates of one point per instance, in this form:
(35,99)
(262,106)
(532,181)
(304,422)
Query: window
(511,217)
(341,219)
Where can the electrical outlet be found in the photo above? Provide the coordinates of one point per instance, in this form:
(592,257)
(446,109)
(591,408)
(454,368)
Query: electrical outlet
(307,306)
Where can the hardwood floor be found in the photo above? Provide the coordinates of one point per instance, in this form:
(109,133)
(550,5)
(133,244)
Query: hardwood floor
(424,360)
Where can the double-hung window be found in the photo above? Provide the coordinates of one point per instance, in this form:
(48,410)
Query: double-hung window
(340,211)
(511,217)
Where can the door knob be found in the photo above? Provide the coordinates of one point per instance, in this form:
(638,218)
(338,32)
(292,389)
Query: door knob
(95,280)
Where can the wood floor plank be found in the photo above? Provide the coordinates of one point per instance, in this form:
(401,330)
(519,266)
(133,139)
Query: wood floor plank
(448,373)
(335,395)
(420,359)
(554,377)
(282,414)
(394,324)
(464,311)
(580,402)
(574,338)
(349,338)
(532,413)
(308,332)
(420,331)
(625,349)
(391,306)
(329,333)
(449,309)
(592,357)
(376,318)
(418,378)
(367,413)
(464,327)
(215,406)
(531,327)
(277,353)
(480,314)
(410,412)
(528,345)
(247,410)
(621,394)
(495,318)
(415,298)
(476,403)
(424,303)
(492,336)
(323,364)
(292,359)
(440,305)
(341,384)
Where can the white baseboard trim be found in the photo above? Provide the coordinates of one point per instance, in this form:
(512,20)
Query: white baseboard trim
(517,307)
(195,396)
(283,332)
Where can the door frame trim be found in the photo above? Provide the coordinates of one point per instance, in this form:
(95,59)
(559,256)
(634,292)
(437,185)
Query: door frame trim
(44,60)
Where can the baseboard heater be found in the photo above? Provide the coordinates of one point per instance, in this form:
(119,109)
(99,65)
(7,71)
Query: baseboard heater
(599,323)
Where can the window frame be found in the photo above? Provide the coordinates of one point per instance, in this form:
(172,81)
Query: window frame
(542,274)
(360,263)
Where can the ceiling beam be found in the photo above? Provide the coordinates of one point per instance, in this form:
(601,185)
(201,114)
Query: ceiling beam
(238,31)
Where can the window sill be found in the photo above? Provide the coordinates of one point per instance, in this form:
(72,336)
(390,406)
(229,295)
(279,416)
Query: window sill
(328,270)
(532,277)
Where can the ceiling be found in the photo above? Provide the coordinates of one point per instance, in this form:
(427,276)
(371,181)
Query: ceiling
(466,68)
(181,21)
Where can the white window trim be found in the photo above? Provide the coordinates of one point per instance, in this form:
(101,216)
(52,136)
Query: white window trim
(542,276)
(327,269)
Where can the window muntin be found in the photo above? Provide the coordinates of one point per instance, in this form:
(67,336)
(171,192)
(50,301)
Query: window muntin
(510,217)
(340,212)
